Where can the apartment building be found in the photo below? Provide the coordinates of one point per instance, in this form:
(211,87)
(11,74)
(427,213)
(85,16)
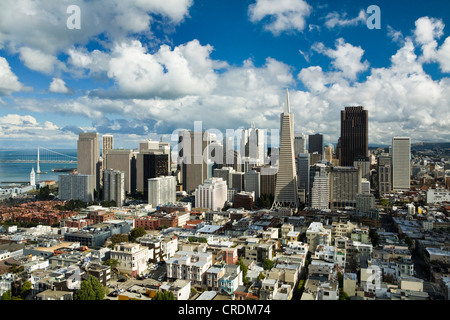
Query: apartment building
(189,265)
(133,258)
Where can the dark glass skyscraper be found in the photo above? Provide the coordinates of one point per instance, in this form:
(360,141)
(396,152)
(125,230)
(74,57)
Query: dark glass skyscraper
(315,143)
(354,141)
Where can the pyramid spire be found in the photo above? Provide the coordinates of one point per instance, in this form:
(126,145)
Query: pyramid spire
(287,107)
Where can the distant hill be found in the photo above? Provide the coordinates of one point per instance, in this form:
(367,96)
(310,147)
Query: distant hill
(430,146)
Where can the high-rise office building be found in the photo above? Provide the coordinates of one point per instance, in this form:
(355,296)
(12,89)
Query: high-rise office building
(121,160)
(76,187)
(319,191)
(286,187)
(155,165)
(191,148)
(384,172)
(212,194)
(162,190)
(299,144)
(345,184)
(315,144)
(145,147)
(88,154)
(268,179)
(252,144)
(252,183)
(107,144)
(303,173)
(364,164)
(226,173)
(114,186)
(354,140)
(238,181)
(401,163)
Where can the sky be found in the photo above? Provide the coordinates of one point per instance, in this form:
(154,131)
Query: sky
(142,69)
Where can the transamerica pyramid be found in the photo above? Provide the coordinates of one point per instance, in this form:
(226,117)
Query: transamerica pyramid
(286,185)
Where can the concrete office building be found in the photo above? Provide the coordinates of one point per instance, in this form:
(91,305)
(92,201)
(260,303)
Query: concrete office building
(191,147)
(252,183)
(114,186)
(212,194)
(238,181)
(268,179)
(384,172)
(252,145)
(319,193)
(107,144)
(148,147)
(345,184)
(354,140)
(121,160)
(299,143)
(76,187)
(226,173)
(88,156)
(286,187)
(401,163)
(162,190)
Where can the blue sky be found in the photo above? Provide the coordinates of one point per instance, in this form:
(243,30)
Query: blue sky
(141,69)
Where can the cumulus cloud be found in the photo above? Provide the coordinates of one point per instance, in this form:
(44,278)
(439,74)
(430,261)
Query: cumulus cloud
(9,82)
(27,128)
(346,58)
(37,29)
(280,15)
(428,31)
(59,86)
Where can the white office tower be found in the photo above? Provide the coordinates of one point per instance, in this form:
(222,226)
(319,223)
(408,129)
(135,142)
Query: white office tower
(32,177)
(299,143)
(114,186)
(212,194)
(253,144)
(401,165)
(286,186)
(320,191)
(162,190)
(76,187)
(365,186)
(252,183)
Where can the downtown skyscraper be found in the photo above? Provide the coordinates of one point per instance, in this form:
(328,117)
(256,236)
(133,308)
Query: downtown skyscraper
(354,140)
(89,156)
(286,187)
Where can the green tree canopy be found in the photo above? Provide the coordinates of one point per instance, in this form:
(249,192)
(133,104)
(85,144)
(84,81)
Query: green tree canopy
(90,289)
(164,295)
(26,290)
(267,264)
(136,233)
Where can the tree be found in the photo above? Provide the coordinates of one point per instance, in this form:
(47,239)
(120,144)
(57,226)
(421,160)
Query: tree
(267,264)
(26,290)
(90,289)
(136,233)
(244,269)
(7,295)
(164,295)
(118,238)
(409,242)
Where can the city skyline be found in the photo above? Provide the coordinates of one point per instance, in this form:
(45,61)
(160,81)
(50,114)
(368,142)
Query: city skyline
(225,64)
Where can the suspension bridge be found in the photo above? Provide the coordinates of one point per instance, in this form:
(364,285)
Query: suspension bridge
(43,155)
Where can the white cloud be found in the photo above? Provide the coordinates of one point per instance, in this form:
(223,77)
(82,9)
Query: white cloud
(283,15)
(346,58)
(334,19)
(59,86)
(14,127)
(38,61)
(427,31)
(9,82)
